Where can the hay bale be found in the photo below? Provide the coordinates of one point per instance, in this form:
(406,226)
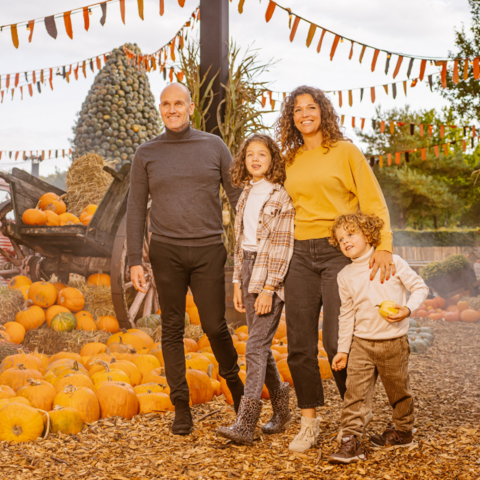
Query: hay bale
(86,182)
(11,302)
(98,299)
(194,331)
(48,341)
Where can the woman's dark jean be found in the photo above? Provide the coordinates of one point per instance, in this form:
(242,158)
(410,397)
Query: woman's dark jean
(311,283)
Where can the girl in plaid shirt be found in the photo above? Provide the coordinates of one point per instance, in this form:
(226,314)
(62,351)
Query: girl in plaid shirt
(264,227)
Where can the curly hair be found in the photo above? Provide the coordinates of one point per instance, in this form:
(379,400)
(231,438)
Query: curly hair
(288,135)
(276,172)
(368,225)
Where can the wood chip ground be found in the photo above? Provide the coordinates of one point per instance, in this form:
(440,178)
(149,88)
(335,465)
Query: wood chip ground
(447,389)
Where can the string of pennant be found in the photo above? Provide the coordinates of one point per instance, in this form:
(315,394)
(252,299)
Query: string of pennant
(51,26)
(39,155)
(37,78)
(294,21)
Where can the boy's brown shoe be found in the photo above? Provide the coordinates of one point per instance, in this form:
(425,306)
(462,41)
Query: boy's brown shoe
(392,437)
(350,451)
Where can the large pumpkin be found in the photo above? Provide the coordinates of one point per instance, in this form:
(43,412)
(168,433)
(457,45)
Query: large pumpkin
(34,217)
(150,321)
(193,315)
(325,370)
(157,375)
(64,322)
(108,323)
(82,399)
(28,360)
(19,281)
(53,310)
(281,330)
(99,279)
(129,368)
(20,423)
(93,348)
(154,402)
(53,220)
(16,331)
(68,219)
(86,323)
(190,345)
(88,211)
(66,420)
(146,363)
(199,386)
(469,316)
(197,361)
(153,387)
(42,294)
(203,342)
(225,390)
(31,318)
(284,371)
(452,316)
(68,355)
(462,305)
(117,399)
(131,337)
(6,392)
(46,199)
(71,298)
(77,379)
(18,376)
(39,393)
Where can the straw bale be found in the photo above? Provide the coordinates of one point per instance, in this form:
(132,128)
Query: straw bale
(50,342)
(11,302)
(194,331)
(86,182)
(98,299)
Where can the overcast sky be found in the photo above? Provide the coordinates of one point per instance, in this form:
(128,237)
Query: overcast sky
(416,27)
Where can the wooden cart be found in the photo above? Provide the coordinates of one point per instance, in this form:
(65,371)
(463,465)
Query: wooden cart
(41,251)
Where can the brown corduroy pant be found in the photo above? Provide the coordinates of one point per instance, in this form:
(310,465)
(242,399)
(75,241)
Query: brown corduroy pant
(388,359)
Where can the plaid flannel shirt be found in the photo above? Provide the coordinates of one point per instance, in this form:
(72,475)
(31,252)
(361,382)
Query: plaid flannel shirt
(274,241)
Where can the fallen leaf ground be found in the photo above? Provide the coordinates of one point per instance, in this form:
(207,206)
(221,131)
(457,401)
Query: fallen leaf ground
(447,389)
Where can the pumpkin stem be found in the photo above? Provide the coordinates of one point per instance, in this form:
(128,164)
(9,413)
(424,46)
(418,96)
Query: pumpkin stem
(33,383)
(17,430)
(210,370)
(70,389)
(58,407)
(75,366)
(21,366)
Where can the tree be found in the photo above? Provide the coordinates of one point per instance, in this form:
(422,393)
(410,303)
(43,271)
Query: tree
(430,193)
(57,178)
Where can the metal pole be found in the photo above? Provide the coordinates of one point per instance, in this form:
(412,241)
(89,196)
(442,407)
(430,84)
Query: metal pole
(214,53)
(35,167)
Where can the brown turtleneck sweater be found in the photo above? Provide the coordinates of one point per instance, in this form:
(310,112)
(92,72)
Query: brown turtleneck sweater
(182,172)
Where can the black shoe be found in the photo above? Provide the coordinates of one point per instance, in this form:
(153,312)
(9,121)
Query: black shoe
(350,451)
(236,389)
(392,437)
(183,423)
(243,430)
(281,417)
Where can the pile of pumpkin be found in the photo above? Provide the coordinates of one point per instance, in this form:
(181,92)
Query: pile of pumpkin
(51,211)
(450,310)
(61,307)
(420,338)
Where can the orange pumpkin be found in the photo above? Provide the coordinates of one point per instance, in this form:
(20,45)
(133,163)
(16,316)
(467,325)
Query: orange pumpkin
(88,211)
(217,388)
(86,323)
(462,305)
(76,379)
(71,298)
(422,313)
(31,318)
(66,355)
(53,310)
(99,279)
(157,375)
(43,358)
(152,386)
(117,399)
(19,281)
(82,399)
(280,348)
(46,199)
(39,393)
(57,206)
(4,336)
(28,360)
(68,219)
(108,323)
(225,390)
(284,371)
(199,386)
(33,216)
(193,315)
(53,220)
(92,348)
(6,392)
(452,316)
(469,316)
(190,345)
(18,376)
(435,316)
(16,331)
(203,342)
(197,361)
(42,294)
(440,302)
(281,330)
(24,291)
(154,402)
(241,347)
(59,286)
(146,363)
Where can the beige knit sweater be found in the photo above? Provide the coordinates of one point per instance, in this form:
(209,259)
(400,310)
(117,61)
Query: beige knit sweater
(359,295)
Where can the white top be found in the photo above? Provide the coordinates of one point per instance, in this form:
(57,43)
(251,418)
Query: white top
(256,198)
(359,295)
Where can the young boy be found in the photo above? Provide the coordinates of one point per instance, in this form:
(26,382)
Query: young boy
(373,344)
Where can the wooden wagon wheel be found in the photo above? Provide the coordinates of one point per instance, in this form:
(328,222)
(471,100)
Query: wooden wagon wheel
(128,303)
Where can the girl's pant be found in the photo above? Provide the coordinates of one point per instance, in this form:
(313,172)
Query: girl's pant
(311,283)
(261,366)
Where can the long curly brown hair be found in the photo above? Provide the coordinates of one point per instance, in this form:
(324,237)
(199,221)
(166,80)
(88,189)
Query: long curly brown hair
(369,226)
(276,172)
(290,137)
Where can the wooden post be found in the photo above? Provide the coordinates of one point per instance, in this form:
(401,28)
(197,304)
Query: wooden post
(214,52)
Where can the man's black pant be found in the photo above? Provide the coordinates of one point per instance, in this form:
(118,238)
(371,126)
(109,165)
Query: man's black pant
(175,268)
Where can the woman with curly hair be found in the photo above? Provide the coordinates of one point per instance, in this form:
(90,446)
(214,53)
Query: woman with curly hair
(263,249)
(326,176)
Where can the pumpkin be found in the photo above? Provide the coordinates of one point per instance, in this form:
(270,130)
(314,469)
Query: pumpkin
(39,393)
(88,211)
(435,316)
(31,318)
(107,357)
(22,400)
(59,286)
(68,219)
(20,423)
(452,316)
(199,386)
(54,310)
(120,347)
(440,302)
(42,294)
(46,199)
(6,392)
(43,358)
(86,323)
(193,315)
(462,305)
(63,364)
(157,375)
(152,386)
(86,220)
(242,329)
(109,375)
(154,402)
(146,363)
(225,390)
(108,323)
(129,368)
(82,399)
(99,279)
(284,371)
(203,342)
(197,361)
(281,330)
(217,388)
(147,339)
(64,322)
(280,348)
(117,399)
(157,352)
(67,355)
(214,361)
(28,360)
(53,220)
(66,420)
(93,348)
(242,337)
(34,217)
(241,347)
(19,281)
(77,379)
(136,338)
(469,316)
(190,345)
(275,354)
(56,205)
(453,308)
(150,321)
(4,336)
(325,370)
(16,331)
(24,291)
(71,298)
(18,376)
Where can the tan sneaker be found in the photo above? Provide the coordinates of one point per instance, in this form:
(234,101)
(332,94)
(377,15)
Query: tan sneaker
(368,419)
(307,437)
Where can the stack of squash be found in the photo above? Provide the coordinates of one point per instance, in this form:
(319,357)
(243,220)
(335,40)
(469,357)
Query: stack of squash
(451,310)
(51,211)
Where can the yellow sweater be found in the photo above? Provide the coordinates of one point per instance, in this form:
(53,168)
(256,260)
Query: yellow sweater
(324,185)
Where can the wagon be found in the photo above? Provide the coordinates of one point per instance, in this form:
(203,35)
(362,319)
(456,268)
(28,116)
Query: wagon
(41,251)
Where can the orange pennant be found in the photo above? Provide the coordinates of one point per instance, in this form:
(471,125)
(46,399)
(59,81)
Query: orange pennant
(162,7)
(84,68)
(397,68)
(342,120)
(140,8)
(442,131)
(8,81)
(319,46)
(445,149)
(68,24)
(311,33)
(13,31)
(465,69)
(21,92)
(362,53)
(31,24)
(455,72)
(350,98)
(423,65)
(17,79)
(30,89)
(435,149)
(374,61)
(363,123)
(172,50)
(389,159)
(334,46)
(351,51)
(240,6)
(372,94)
(76,71)
(340,99)
(424,154)
(122,10)
(476,68)
(99,63)
(398,157)
(392,127)
(380,161)
(270,10)
(421,129)
(353,122)
(382,126)
(444,75)
(294,28)
(86,18)
(180,76)
(181,3)
(171,74)
(464,145)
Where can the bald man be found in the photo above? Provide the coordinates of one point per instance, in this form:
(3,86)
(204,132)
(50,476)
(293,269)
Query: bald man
(182,170)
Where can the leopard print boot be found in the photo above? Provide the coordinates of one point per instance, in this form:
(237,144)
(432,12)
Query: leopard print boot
(243,430)
(282,417)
